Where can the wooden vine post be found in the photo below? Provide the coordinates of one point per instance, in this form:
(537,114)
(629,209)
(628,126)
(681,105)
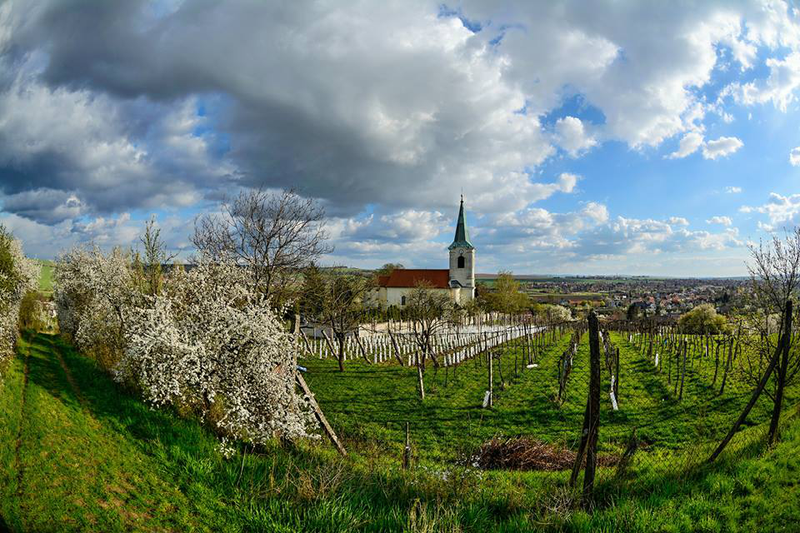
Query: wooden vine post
(591,419)
(490,403)
(407,451)
(780,370)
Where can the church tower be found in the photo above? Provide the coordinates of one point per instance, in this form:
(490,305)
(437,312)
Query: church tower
(462,259)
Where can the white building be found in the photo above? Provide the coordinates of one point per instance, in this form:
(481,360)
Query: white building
(458,281)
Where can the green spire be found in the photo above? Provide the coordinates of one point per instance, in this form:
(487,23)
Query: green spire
(462,235)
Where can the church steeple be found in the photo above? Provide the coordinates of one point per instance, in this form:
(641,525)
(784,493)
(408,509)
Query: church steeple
(461,239)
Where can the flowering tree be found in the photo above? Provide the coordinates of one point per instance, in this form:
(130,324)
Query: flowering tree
(204,341)
(18,275)
(93,292)
(213,345)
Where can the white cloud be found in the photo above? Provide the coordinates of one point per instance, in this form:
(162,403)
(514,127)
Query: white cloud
(571,135)
(733,190)
(596,212)
(688,145)
(779,88)
(678,221)
(722,147)
(629,236)
(780,210)
(725,221)
(794,157)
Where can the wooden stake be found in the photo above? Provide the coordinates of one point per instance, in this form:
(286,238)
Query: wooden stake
(319,414)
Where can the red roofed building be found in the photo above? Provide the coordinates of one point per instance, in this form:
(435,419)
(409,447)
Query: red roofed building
(458,280)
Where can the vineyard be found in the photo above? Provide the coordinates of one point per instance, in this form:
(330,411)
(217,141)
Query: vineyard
(670,397)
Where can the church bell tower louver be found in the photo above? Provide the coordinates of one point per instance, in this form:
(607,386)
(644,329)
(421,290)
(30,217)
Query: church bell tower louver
(462,259)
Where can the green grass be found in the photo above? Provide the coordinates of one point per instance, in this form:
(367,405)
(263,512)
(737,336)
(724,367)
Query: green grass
(46,277)
(90,456)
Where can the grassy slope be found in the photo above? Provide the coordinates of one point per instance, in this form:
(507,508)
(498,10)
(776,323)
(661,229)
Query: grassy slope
(92,457)
(46,277)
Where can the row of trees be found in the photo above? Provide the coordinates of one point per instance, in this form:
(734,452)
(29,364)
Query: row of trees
(18,276)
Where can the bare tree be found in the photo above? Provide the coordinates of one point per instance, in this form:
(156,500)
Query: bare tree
(155,257)
(342,308)
(274,234)
(429,311)
(774,280)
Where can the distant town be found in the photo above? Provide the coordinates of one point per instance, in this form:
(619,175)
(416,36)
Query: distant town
(614,295)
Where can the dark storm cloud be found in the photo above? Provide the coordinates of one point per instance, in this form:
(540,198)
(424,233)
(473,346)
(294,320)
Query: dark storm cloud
(364,104)
(46,205)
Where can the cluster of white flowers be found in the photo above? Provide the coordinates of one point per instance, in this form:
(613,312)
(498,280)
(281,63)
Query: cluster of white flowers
(93,292)
(205,343)
(18,275)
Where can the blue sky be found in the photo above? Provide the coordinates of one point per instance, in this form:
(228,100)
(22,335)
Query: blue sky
(629,138)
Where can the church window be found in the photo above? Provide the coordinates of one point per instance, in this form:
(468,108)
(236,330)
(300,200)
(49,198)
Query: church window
(460,261)
(402,300)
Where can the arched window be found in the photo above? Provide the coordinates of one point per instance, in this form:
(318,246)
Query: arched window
(402,300)
(460,261)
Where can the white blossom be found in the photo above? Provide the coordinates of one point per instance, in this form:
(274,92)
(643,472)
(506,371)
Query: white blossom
(18,276)
(206,342)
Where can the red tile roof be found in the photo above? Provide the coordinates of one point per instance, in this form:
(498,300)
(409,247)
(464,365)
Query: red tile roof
(409,277)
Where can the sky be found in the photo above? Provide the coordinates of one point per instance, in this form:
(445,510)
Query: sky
(600,137)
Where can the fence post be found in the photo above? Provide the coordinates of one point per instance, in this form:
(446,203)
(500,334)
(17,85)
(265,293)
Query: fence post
(491,378)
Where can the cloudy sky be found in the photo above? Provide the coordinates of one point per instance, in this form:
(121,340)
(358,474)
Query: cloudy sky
(587,137)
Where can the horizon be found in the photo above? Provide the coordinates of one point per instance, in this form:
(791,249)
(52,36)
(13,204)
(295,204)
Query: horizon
(649,140)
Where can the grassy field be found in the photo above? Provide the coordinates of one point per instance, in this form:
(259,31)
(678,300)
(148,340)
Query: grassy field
(79,453)
(46,278)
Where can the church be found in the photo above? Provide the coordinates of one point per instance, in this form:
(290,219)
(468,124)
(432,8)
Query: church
(458,281)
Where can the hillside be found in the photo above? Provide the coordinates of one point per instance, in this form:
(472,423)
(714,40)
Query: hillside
(78,453)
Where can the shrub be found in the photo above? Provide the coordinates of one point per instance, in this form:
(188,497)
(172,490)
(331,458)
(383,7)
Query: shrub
(31,311)
(92,291)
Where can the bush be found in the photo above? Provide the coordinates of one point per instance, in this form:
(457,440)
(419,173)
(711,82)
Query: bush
(31,311)
(92,292)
